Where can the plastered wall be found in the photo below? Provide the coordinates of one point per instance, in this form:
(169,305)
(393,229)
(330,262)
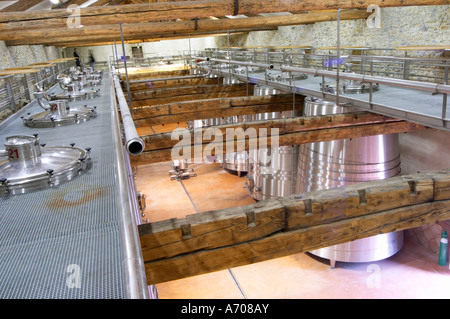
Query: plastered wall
(160,48)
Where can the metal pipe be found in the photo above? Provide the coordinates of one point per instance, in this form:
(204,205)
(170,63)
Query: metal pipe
(125,63)
(423,86)
(338,53)
(135,279)
(133,142)
(242,63)
(40,96)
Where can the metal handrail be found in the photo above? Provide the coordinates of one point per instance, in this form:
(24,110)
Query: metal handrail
(134,143)
(135,279)
(422,86)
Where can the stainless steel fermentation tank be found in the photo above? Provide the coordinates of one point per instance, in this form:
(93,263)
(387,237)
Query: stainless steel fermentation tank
(235,162)
(272,171)
(26,165)
(324,165)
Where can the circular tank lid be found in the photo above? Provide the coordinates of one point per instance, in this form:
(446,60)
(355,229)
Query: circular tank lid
(78,95)
(26,166)
(285,76)
(349,87)
(60,114)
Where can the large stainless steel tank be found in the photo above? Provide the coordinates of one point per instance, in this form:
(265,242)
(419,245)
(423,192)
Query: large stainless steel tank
(235,162)
(324,165)
(272,172)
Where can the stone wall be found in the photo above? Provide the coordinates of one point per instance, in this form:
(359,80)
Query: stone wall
(21,55)
(17,56)
(7,60)
(403,26)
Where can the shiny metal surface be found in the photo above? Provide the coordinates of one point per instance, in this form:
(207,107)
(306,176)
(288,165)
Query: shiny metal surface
(338,163)
(77,93)
(239,162)
(272,172)
(347,86)
(133,143)
(57,113)
(74,87)
(135,280)
(280,76)
(230,80)
(235,162)
(402,99)
(29,166)
(180,170)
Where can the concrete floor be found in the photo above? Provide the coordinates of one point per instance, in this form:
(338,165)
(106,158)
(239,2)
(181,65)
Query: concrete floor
(411,273)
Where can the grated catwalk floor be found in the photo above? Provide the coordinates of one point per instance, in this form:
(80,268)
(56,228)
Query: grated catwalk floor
(65,242)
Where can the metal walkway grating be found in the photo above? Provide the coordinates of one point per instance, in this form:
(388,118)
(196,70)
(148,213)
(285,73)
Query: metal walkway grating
(44,233)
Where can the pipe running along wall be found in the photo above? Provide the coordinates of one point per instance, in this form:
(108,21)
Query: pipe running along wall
(133,143)
(134,270)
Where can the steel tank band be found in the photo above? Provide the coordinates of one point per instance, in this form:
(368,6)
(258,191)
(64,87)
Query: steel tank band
(330,164)
(272,172)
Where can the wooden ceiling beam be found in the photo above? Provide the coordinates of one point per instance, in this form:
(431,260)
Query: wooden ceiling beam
(136,13)
(212,108)
(80,2)
(177,28)
(130,37)
(299,135)
(283,126)
(81,43)
(99,3)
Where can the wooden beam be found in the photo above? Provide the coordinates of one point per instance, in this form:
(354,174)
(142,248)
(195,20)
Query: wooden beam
(223,239)
(185,90)
(157,73)
(136,13)
(176,28)
(95,4)
(296,134)
(145,86)
(283,126)
(106,3)
(210,108)
(117,37)
(172,95)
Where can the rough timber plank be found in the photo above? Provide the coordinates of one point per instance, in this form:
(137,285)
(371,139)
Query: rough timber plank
(233,237)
